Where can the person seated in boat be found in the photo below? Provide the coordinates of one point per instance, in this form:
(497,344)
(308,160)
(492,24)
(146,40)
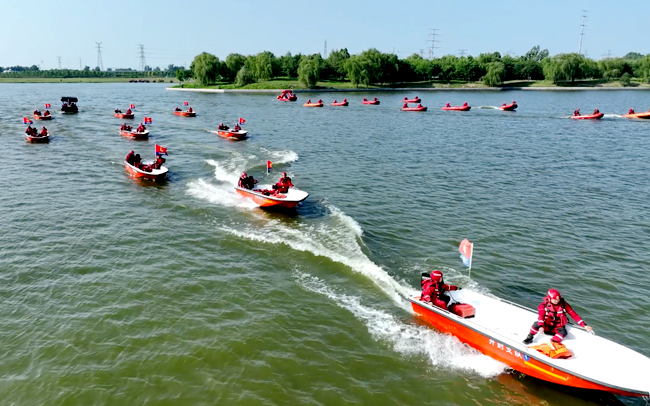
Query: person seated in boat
(405,106)
(465,104)
(177,109)
(250,182)
(309,101)
(448,105)
(420,105)
(128,111)
(596,111)
(364,99)
(242,180)
(47,113)
(320,101)
(283,184)
(576,113)
(552,318)
(189,110)
(141,128)
(434,288)
(237,127)
(335,101)
(130,158)
(159,163)
(514,102)
(345,100)
(504,104)
(375,99)
(631,111)
(36,112)
(43,132)
(118,111)
(28,130)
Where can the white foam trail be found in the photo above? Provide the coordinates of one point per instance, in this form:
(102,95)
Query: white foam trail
(345,219)
(331,241)
(612,116)
(488,107)
(409,340)
(279,157)
(223,195)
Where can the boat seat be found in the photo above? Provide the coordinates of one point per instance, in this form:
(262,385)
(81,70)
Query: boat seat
(463,310)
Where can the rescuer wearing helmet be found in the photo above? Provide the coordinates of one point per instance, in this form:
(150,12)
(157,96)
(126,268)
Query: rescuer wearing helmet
(434,288)
(552,317)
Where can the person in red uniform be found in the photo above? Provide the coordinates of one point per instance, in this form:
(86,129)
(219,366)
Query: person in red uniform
(576,113)
(465,104)
(47,113)
(405,106)
(596,111)
(448,105)
(189,110)
(434,288)
(128,111)
(242,180)
(553,317)
(631,111)
(44,132)
(283,184)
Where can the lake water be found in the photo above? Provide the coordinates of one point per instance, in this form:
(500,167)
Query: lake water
(115,291)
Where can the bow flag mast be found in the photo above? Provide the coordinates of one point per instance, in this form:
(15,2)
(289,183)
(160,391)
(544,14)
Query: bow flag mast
(466,249)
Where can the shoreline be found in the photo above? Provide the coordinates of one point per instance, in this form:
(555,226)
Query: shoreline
(411,89)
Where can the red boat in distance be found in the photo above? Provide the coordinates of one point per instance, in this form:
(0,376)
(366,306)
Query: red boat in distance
(509,107)
(414,100)
(464,107)
(416,108)
(373,101)
(336,103)
(287,96)
(134,135)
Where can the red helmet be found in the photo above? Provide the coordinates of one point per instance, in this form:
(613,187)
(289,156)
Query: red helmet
(554,294)
(243,174)
(436,276)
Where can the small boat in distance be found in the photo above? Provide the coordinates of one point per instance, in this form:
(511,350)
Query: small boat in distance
(128,114)
(36,137)
(319,103)
(373,101)
(509,107)
(413,100)
(596,116)
(189,113)
(464,107)
(134,134)
(287,96)
(416,108)
(632,114)
(46,116)
(336,103)
(231,134)
(69,105)
(263,196)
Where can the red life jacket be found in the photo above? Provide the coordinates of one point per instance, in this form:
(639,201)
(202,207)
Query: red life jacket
(555,316)
(432,290)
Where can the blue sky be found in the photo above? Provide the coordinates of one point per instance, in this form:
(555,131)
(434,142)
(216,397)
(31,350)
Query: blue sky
(176,31)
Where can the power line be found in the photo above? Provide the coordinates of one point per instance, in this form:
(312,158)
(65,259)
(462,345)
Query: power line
(100,64)
(462,52)
(59,58)
(143,62)
(432,48)
(79,63)
(582,29)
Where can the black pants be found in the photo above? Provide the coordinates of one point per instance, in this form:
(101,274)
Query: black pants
(558,332)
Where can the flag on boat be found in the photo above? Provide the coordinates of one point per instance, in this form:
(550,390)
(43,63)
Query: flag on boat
(160,150)
(133,107)
(242,121)
(186,103)
(147,120)
(269,166)
(48,106)
(27,121)
(466,249)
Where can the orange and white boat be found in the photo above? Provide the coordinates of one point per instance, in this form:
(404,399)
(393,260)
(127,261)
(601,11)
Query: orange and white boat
(124,115)
(37,138)
(644,114)
(230,134)
(154,174)
(40,117)
(498,328)
(287,200)
(186,113)
(135,135)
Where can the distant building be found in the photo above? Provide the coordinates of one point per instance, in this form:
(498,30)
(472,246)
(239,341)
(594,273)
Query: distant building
(7,70)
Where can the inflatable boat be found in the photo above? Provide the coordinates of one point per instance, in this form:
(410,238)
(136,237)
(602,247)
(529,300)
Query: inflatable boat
(262,196)
(497,327)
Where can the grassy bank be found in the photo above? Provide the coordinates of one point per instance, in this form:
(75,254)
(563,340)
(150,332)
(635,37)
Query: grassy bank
(82,80)
(294,84)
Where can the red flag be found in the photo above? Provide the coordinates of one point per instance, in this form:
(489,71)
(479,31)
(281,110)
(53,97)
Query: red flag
(147,120)
(186,103)
(269,166)
(48,106)
(241,121)
(160,150)
(466,248)
(27,121)
(133,106)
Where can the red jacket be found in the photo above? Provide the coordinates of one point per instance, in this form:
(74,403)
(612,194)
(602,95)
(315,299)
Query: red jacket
(432,290)
(555,315)
(284,184)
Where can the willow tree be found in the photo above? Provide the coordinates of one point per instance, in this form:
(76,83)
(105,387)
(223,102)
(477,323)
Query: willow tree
(205,68)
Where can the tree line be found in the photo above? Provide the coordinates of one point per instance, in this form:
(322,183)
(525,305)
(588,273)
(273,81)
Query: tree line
(372,67)
(34,72)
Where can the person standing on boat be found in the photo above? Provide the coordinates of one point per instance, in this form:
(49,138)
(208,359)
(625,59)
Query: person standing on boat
(552,318)
(434,288)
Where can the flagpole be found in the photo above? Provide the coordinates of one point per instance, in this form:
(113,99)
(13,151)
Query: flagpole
(470,260)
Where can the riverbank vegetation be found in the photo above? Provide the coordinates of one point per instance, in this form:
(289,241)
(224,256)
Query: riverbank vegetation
(375,69)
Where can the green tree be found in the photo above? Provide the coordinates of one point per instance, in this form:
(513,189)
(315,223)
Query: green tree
(289,64)
(264,65)
(354,70)
(496,71)
(182,74)
(205,68)
(309,70)
(625,79)
(233,64)
(336,60)
(244,77)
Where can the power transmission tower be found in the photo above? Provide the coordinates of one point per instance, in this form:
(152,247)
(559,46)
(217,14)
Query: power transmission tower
(462,52)
(143,62)
(79,63)
(99,56)
(608,55)
(582,29)
(325,51)
(432,48)
(59,58)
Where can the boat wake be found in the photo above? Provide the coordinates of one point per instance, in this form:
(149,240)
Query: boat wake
(409,340)
(227,173)
(488,107)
